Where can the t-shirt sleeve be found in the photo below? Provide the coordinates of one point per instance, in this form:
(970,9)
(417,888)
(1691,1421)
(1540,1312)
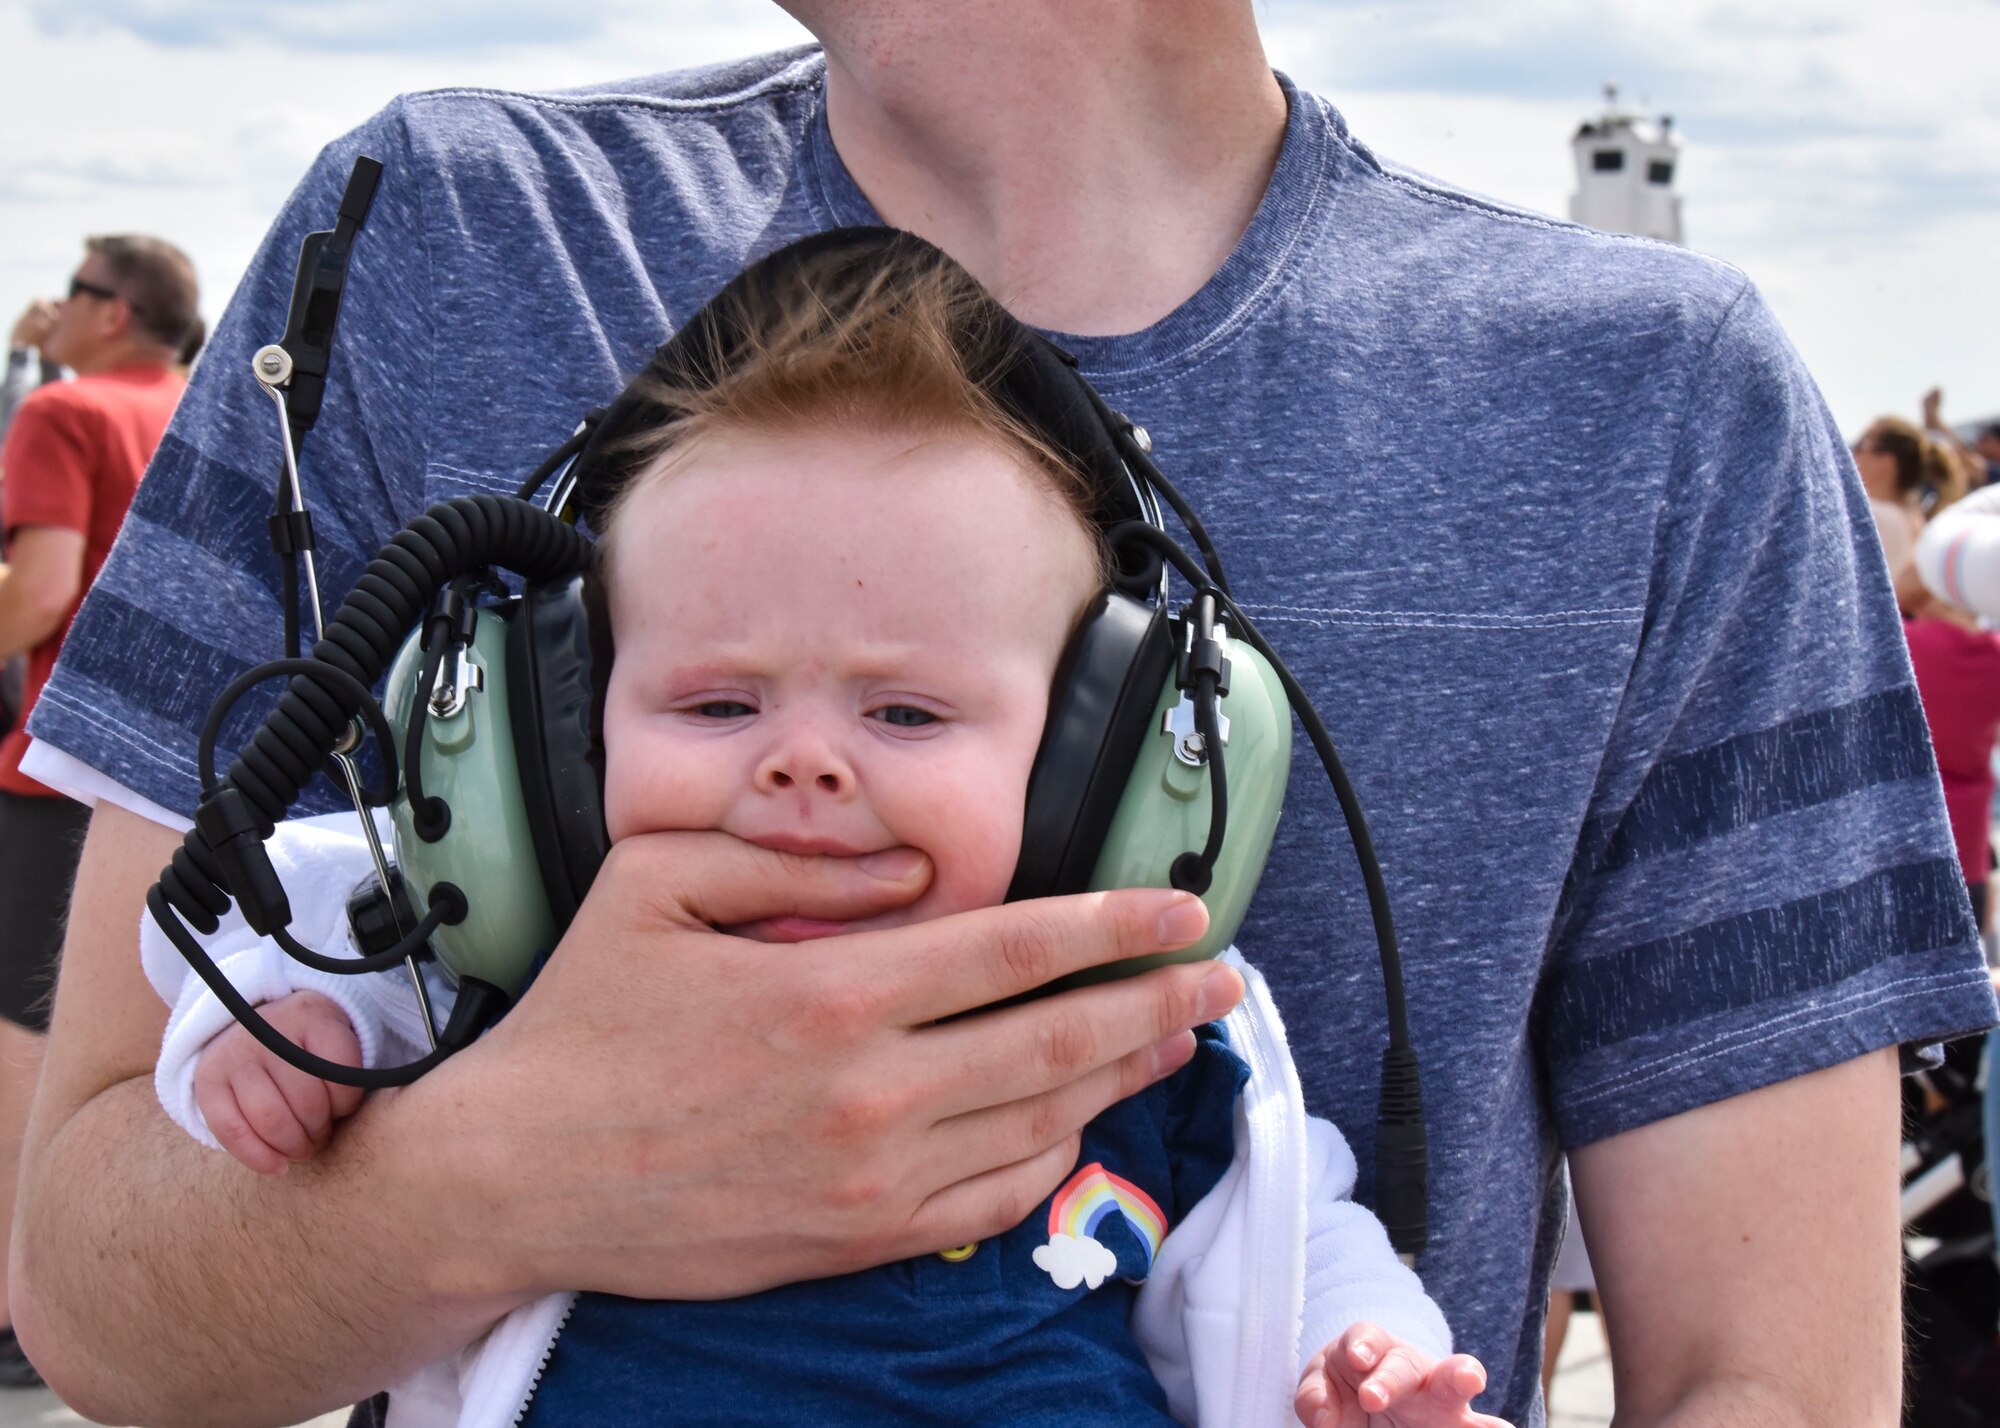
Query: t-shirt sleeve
(1765,884)
(191,594)
(47,461)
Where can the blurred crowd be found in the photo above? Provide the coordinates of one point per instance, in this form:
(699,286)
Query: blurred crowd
(92,378)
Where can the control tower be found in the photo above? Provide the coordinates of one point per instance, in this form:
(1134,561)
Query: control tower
(1625,167)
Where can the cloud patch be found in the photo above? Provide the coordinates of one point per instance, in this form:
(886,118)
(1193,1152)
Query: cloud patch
(1070,1261)
(364,26)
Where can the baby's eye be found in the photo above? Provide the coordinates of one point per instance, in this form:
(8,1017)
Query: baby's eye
(723,709)
(904,716)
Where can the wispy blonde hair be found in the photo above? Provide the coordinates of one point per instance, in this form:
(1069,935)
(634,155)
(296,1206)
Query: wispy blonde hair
(907,342)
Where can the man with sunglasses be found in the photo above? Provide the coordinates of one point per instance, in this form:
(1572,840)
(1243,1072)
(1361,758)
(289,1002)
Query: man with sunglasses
(72,459)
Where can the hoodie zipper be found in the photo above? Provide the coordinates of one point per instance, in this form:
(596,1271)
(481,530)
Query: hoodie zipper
(542,1364)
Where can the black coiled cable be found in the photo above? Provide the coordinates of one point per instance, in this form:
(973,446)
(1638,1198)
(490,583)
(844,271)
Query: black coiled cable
(223,856)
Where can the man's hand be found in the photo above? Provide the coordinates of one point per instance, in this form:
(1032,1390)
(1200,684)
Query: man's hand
(1368,1378)
(265,1111)
(714,1116)
(34,324)
(668,1112)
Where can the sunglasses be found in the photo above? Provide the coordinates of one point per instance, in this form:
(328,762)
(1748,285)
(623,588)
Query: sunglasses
(79,288)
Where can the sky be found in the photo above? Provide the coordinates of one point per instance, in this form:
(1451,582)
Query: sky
(1844,153)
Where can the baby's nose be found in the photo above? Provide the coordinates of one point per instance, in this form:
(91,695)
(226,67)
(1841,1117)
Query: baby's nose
(805,763)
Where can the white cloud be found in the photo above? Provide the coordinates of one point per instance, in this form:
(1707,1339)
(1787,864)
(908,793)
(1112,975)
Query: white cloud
(450,28)
(1071,1261)
(1845,153)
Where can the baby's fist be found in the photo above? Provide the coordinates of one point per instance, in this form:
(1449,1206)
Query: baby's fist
(265,1111)
(1368,1378)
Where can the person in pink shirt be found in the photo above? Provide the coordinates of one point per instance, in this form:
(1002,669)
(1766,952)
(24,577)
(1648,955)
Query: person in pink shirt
(1958,676)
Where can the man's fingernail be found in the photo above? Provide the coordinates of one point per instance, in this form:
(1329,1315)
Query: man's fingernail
(1364,1354)
(891,864)
(1184,920)
(1220,990)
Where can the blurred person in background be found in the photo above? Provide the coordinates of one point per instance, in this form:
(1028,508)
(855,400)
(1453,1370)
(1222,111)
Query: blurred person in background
(191,346)
(72,458)
(1955,571)
(28,367)
(1958,677)
(1907,476)
(1982,457)
(1901,465)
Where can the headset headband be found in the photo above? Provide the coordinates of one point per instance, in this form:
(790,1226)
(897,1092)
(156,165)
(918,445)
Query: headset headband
(1038,384)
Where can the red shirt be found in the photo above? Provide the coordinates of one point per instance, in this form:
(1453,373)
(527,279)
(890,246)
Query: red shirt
(1958,676)
(73,458)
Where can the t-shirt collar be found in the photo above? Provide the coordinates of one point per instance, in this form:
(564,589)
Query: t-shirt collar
(1287,218)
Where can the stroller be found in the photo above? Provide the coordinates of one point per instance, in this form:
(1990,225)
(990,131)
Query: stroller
(1951,1297)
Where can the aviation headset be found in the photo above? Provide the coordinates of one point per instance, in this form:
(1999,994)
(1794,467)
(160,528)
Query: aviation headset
(1163,760)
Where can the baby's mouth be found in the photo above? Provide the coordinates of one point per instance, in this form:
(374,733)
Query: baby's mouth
(787,929)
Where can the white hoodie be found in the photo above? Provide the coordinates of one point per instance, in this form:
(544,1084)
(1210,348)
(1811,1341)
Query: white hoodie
(1271,1265)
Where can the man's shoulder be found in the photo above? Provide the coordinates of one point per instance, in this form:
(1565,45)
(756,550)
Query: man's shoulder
(1511,267)
(447,120)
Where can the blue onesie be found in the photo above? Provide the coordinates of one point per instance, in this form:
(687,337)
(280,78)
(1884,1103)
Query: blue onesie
(1040,1315)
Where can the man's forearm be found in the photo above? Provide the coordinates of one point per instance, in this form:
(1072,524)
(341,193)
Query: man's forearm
(24,621)
(1748,1255)
(291,1295)
(1744,1403)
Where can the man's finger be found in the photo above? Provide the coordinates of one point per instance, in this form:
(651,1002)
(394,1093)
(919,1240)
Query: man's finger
(714,880)
(982,1206)
(1042,1045)
(940,969)
(1014,1130)
(1025,1053)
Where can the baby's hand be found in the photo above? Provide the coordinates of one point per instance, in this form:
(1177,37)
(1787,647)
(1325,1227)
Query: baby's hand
(266,1112)
(1368,1378)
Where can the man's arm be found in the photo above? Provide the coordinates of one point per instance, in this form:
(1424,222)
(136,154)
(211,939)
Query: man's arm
(809,1115)
(1749,1256)
(118,1205)
(39,585)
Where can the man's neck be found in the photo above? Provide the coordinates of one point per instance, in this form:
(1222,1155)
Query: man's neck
(121,354)
(1092,161)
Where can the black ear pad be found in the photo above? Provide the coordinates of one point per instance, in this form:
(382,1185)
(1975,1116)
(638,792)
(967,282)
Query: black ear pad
(1106,688)
(558,659)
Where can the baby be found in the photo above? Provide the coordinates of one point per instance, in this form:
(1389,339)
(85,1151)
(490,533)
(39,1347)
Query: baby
(840,583)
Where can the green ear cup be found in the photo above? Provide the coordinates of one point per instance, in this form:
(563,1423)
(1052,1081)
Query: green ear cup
(1165,809)
(488,852)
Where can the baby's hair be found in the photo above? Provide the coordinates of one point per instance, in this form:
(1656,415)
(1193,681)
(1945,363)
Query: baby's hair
(911,343)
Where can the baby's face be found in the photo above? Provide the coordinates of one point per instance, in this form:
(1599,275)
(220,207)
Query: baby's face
(840,642)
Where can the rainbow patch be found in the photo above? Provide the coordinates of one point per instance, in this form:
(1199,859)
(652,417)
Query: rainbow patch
(1093,1193)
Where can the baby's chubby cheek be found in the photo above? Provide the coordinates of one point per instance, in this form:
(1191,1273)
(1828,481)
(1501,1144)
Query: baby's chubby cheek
(973,862)
(655,795)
